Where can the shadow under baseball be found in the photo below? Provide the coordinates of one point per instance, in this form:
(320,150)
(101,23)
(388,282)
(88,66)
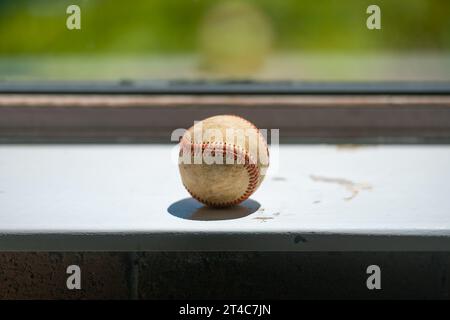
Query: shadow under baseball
(191,209)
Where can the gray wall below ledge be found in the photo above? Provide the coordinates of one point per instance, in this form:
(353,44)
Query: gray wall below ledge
(225,275)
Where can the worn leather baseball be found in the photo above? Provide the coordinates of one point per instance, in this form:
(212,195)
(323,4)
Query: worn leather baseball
(223,160)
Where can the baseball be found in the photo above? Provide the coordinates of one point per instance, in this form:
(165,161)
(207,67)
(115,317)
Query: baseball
(223,160)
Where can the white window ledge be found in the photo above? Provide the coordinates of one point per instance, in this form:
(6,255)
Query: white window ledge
(130,197)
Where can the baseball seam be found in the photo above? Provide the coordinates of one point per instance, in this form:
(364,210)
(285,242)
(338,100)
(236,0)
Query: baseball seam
(250,165)
(254,127)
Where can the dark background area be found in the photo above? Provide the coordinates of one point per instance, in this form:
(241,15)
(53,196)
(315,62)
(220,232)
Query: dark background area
(225,275)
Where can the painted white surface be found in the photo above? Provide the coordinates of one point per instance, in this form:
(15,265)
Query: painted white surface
(118,196)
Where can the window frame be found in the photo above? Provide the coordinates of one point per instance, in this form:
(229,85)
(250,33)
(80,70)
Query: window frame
(151,117)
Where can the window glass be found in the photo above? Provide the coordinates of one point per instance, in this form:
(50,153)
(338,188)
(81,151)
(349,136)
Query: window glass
(306,40)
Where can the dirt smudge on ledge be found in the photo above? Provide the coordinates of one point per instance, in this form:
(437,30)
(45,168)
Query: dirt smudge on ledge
(353,187)
(263,219)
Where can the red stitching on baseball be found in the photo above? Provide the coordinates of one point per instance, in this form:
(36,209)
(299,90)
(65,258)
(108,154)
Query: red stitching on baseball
(250,165)
(253,126)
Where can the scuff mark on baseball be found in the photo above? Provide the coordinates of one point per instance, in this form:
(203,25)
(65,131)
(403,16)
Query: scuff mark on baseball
(223,160)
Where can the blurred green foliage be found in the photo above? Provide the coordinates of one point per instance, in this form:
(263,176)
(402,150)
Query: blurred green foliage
(30,27)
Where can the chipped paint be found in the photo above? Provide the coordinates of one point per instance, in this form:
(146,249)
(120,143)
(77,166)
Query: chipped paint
(299,238)
(348,147)
(263,219)
(352,187)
